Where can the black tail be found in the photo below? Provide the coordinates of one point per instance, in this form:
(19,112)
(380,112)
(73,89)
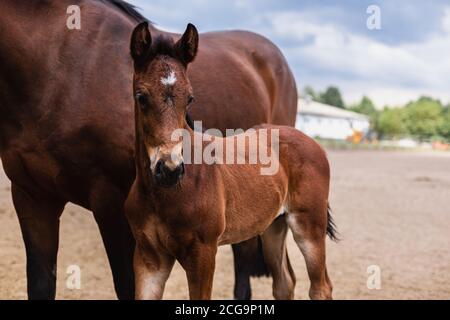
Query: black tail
(331,227)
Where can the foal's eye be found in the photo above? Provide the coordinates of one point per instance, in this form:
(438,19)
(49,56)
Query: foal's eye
(142,100)
(190,100)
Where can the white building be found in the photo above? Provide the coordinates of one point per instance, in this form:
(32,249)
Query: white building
(319,120)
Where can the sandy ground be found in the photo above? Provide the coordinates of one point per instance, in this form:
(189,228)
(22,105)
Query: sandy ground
(392,210)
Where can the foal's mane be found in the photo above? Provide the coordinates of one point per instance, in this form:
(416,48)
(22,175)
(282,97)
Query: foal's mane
(127,8)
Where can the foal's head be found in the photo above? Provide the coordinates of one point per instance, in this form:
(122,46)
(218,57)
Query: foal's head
(162,95)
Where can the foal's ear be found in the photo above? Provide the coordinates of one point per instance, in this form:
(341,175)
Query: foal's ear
(188,44)
(141,42)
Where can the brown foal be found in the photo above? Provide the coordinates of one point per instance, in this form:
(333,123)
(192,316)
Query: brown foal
(180,211)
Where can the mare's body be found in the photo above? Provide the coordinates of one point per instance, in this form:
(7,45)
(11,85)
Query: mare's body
(66,121)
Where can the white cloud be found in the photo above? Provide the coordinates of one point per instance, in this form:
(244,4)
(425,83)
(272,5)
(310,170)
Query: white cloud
(390,74)
(446,20)
(322,52)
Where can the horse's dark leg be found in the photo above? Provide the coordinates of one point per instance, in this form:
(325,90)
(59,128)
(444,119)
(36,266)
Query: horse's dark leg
(242,288)
(117,238)
(248,261)
(39,221)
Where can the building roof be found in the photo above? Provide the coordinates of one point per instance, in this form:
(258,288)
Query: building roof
(307,106)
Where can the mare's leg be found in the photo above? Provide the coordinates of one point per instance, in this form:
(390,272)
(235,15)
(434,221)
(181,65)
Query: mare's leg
(309,227)
(152,269)
(199,263)
(107,204)
(245,264)
(39,222)
(276,257)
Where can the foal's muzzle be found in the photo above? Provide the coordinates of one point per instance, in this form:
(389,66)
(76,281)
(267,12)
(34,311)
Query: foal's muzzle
(168,177)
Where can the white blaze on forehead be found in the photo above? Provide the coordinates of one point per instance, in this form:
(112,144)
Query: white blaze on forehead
(170,79)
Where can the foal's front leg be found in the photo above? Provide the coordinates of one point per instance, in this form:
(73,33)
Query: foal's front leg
(151,269)
(199,263)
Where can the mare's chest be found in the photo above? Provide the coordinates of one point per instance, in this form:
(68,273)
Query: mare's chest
(28,164)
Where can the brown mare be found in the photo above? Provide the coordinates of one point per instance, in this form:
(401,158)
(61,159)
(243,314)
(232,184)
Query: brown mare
(66,121)
(183,212)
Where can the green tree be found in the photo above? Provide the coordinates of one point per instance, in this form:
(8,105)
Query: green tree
(391,122)
(444,130)
(332,96)
(366,106)
(308,91)
(424,118)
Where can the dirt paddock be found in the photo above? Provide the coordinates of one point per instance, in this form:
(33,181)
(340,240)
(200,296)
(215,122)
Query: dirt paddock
(392,210)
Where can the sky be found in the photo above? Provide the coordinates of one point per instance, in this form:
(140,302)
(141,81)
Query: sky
(329,43)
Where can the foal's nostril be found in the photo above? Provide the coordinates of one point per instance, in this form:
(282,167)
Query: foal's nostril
(179,171)
(159,168)
(182,169)
(166,176)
